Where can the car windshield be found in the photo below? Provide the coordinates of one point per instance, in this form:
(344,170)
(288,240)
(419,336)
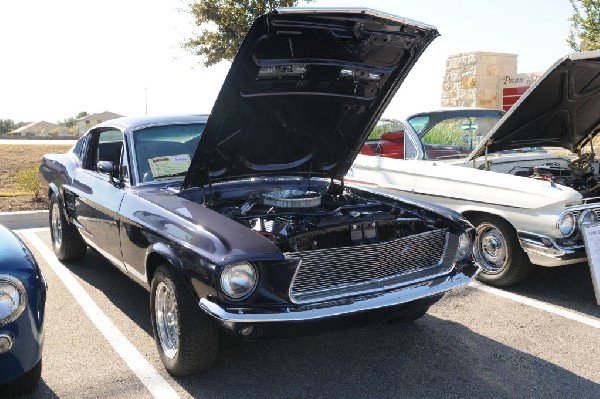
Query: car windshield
(464,132)
(165,152)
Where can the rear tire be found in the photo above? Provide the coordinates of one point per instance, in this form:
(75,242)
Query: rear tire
(187,339)
(66,239)
(498,251)
(24,384)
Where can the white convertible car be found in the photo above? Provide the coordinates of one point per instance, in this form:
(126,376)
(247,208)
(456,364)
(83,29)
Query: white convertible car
(528,182)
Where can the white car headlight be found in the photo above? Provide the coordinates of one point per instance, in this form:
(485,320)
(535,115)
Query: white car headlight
(12,299)
(238,280)
(464,247)
(566,224)
(587,216)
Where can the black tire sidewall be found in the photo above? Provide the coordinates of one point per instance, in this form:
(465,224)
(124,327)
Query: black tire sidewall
(516,266)
(72,245)
(198,335)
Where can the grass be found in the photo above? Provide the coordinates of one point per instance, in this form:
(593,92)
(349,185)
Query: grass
(17,161)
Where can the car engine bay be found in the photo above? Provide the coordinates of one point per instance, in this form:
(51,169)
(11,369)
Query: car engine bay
(581,173)
(300,220)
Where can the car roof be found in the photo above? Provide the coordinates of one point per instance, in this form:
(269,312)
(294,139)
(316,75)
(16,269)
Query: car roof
(138,122)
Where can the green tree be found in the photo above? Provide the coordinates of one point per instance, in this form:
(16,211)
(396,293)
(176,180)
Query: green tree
(585,25)
(69,122)
(224,25)
(81,114)
(6,125)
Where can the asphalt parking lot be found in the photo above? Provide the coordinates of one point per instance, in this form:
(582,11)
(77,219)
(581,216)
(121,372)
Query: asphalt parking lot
(537,340)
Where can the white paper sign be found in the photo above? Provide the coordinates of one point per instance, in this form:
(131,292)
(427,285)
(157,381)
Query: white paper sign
(591,237)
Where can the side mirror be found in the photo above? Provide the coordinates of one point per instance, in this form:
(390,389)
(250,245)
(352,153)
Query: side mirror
(106,167)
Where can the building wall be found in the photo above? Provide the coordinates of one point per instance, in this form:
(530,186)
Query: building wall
(471,79)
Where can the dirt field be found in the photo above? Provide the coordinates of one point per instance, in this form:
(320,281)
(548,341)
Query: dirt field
(14,158)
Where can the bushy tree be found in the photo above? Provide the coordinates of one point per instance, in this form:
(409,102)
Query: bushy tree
(585,25)
(224,25)
(6,125)
(69,122)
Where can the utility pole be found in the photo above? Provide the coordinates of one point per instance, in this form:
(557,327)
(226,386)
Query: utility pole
(146,92)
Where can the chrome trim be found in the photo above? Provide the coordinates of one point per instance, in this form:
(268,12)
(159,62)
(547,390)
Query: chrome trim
(167,318)
(552,253)
(325,310)
(15,282)
(373,285)
(574,216)
(583,202)
(11,342)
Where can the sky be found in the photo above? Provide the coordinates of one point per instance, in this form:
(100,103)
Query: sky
(61,57)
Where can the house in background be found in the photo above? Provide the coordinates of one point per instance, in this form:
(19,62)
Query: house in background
(85,123)
(41,129)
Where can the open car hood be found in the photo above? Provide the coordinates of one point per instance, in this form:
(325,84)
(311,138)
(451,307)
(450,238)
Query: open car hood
(561,109)
(304,91)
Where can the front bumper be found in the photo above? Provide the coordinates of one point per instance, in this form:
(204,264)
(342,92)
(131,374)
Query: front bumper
(323,316)
(545,251)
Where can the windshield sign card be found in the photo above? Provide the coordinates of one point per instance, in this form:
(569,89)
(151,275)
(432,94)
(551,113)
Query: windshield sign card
(168,166)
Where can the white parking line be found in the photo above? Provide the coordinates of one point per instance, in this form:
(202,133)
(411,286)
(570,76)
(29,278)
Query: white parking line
(557,310)
(152,380)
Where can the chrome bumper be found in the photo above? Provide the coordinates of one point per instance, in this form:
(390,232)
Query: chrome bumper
(234,319)
(544,251)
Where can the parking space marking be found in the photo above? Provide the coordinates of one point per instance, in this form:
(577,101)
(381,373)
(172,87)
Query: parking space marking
(152,380)
(557,310)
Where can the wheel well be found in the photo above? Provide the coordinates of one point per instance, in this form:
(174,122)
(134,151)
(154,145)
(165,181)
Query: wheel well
(472,215)
(152,262)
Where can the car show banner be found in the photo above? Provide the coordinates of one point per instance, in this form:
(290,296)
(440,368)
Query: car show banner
(591,237)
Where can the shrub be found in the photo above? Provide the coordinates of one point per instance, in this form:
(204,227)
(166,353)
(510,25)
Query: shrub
(28,180)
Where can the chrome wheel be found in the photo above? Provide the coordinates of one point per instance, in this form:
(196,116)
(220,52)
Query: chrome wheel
(167,319)
(56,226)
(491,248)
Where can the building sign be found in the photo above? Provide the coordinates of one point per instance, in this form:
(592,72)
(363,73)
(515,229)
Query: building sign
(512,87)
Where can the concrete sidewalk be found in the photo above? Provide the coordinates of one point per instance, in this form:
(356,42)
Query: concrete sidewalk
(24,219)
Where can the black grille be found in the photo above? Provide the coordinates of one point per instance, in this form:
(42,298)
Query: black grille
(335,271)
(70,204)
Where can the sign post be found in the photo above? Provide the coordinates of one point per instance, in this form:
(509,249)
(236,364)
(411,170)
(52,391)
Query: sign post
(591,237)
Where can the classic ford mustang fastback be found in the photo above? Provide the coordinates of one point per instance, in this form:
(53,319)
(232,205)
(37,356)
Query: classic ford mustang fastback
(241,222)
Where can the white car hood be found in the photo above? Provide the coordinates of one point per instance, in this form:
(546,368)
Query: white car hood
(439,179)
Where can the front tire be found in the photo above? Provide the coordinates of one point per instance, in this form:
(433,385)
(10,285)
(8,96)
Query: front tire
(24,384)
(187,340)
(66,239)
(497,250)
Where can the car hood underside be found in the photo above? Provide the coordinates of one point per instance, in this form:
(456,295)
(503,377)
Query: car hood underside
(561,109)
(303,92)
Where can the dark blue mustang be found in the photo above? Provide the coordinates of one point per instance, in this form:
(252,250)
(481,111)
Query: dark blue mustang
(22,304)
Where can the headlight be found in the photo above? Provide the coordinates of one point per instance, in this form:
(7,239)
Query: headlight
(566,224)
(238,280)
(587,216)
(12,299)
(464,247)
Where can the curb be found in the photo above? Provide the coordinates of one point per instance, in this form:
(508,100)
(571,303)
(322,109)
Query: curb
(24,219)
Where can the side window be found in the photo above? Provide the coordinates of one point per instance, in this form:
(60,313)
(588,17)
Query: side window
(104,145)
(410,148)
(78,148)
(124,165)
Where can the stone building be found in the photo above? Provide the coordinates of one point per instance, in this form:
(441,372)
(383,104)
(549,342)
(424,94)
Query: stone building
(471,79)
